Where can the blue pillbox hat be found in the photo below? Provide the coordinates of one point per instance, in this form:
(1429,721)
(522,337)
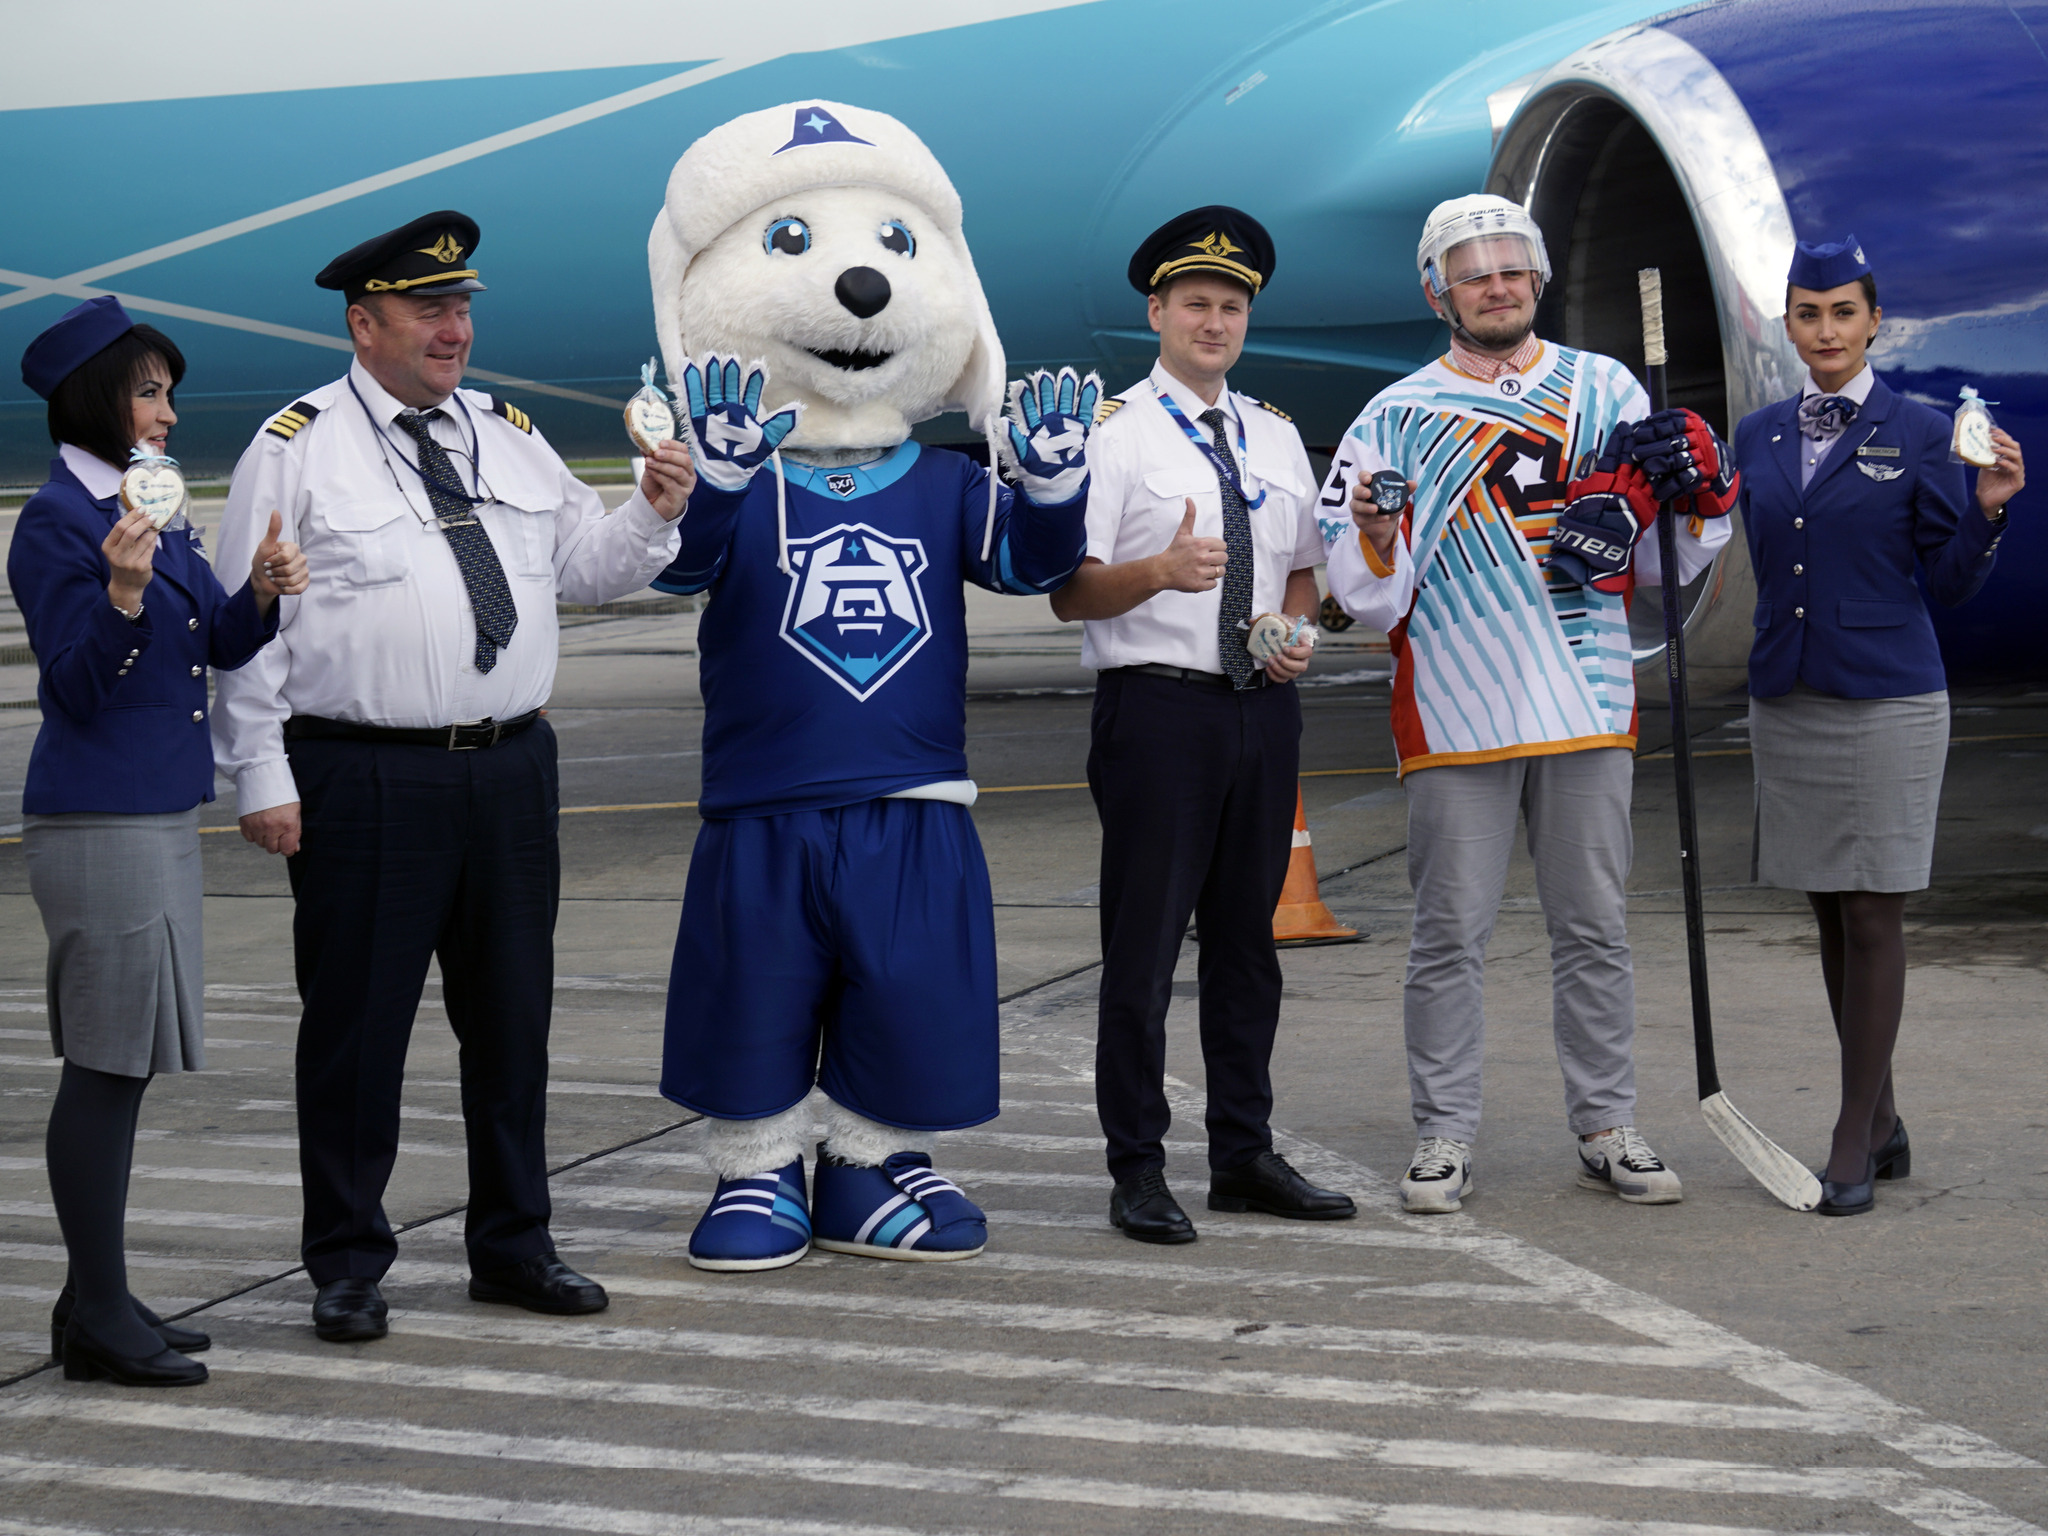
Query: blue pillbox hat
(1821,267)
(78,334)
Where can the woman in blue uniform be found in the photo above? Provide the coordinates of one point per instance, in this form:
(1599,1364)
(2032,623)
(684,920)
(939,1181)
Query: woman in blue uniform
(1847,489)
(124,622)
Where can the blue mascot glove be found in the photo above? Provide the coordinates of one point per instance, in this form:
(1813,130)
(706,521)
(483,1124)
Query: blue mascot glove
(1046,438)
(1594,542)
(728,438)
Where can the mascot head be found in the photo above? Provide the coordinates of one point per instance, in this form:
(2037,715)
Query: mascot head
(825,240)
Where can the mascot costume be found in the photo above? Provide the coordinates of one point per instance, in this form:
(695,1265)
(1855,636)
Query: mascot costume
(838,931)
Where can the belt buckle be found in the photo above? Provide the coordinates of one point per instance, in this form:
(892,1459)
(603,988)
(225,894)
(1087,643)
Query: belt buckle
(454,744)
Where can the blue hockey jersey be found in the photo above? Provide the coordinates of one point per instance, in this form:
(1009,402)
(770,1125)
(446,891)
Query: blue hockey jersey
(845,680)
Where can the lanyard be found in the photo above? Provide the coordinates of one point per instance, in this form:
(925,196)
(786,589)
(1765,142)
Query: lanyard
(388,444)
(1223,469)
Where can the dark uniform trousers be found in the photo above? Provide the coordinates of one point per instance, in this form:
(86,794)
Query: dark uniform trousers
(1195,786)
(411,853)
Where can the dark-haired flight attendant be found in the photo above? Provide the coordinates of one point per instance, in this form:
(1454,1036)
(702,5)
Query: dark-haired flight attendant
(1847,489)
(124,621)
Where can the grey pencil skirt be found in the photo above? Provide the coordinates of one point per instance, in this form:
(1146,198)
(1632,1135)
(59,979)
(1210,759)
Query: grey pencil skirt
(121,900)
(1847,790)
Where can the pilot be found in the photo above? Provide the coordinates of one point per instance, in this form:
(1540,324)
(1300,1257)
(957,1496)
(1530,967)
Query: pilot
(1202,516)
(1847,490)
(1513,695)
(390,744)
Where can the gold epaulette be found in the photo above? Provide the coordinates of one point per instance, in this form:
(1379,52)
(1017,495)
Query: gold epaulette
(1265,406)
(511,413)
(286,423)
(1107,409)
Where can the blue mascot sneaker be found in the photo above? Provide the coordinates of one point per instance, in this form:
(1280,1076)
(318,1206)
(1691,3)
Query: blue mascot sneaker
(901,1210)
(759,1223)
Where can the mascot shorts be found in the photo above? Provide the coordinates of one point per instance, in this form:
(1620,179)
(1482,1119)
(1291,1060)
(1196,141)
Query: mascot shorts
(854,949)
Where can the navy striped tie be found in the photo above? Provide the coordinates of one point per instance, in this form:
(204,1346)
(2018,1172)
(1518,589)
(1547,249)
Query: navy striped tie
(490,599)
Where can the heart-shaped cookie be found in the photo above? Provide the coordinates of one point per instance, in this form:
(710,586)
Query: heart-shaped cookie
(154,488)
(649,422)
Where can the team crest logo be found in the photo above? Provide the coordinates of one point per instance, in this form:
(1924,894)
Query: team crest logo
(841,485)
(855,608)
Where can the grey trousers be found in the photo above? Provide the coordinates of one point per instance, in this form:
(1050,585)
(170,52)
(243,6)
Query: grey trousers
(1461,829)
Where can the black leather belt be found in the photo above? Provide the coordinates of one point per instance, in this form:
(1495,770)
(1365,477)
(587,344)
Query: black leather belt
(466,736)
(1193,675)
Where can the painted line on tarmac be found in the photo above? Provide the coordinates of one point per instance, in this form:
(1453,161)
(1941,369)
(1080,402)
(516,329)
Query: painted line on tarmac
(1691,1474)
(983,1365)
(192,1175)
(991,1365)
(144,1216)
(389,1498)
(397,1499)
(1879,1485)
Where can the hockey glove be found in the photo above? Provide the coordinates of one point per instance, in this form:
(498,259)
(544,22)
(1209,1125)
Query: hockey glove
(1045,442)
(1685,462)
(1614,473)
(728,438)
(1594,542)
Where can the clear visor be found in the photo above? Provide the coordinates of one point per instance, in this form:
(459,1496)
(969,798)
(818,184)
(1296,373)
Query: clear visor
(1482,258)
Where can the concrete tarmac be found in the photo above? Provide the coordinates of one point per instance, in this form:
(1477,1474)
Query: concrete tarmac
(1550,1362)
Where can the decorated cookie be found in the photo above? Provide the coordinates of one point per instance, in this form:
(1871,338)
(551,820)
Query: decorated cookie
(1971,442)
(650,421)
(153,486)
(1271,633)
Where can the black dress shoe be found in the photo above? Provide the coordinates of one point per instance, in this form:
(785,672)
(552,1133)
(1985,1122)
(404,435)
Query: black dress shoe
(1146,1210)
(1267,1183)
(1847,1199)
(86,1359)
(540,1284)
(1894,1159)
(350,1311)
(187,1341)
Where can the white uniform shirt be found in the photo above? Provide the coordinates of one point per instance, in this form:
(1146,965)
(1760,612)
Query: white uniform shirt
(385,634)
(1141,472)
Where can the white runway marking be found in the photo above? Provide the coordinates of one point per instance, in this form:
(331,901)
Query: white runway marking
(1880,1485)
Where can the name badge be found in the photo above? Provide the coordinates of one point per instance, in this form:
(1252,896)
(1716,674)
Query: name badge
(1877,453)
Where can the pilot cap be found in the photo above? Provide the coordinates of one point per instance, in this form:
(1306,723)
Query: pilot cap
(1225,241)
(1821,267)
(422,259)
(81,332)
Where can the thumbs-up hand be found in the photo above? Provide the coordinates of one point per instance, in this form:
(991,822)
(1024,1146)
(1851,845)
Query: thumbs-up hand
(1189,563)
(278,569)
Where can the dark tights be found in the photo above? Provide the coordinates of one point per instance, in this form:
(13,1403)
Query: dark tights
(90,1147)
(1863,961)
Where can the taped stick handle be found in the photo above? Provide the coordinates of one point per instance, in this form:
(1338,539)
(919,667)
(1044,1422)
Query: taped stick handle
(1650,288)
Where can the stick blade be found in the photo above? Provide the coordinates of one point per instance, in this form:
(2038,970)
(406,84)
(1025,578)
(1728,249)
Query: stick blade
(1773,1167)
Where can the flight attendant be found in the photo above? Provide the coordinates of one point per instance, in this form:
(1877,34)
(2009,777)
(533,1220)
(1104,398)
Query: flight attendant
(1847,488)
(124,620)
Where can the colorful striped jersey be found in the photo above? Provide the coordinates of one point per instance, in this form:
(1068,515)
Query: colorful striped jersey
(1496,656)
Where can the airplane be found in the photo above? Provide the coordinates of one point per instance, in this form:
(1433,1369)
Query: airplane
(205,178)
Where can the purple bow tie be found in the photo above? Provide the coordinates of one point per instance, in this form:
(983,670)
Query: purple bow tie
(1823,417)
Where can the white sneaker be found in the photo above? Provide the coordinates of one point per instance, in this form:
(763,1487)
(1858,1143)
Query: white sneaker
(1621,1161)
(1439,1176)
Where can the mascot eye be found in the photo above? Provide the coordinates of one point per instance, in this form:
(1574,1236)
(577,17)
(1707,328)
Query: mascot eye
(895,237)
(792,237)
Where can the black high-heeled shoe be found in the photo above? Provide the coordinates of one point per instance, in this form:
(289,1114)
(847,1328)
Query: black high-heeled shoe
(86,1359)
(186,1341)
(1847,1199)
(1894,1160)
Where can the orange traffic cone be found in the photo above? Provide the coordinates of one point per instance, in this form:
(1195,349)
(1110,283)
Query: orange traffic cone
(1301,917)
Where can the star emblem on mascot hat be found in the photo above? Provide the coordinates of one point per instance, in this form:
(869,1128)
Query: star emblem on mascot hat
(814,125)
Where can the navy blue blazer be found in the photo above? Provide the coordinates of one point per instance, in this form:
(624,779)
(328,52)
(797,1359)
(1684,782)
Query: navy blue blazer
(1837,608)
(124,705)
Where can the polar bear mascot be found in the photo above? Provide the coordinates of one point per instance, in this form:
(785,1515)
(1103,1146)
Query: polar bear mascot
(838,932)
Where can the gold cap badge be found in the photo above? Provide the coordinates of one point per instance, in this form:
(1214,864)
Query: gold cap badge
(443,250)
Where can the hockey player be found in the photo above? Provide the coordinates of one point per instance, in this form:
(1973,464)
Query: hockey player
(1504,585)
(838,929)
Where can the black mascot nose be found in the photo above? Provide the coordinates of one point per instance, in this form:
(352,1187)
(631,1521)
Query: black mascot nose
(862,290)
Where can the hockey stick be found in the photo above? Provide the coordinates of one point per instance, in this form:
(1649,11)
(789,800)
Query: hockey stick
(1775,1168)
